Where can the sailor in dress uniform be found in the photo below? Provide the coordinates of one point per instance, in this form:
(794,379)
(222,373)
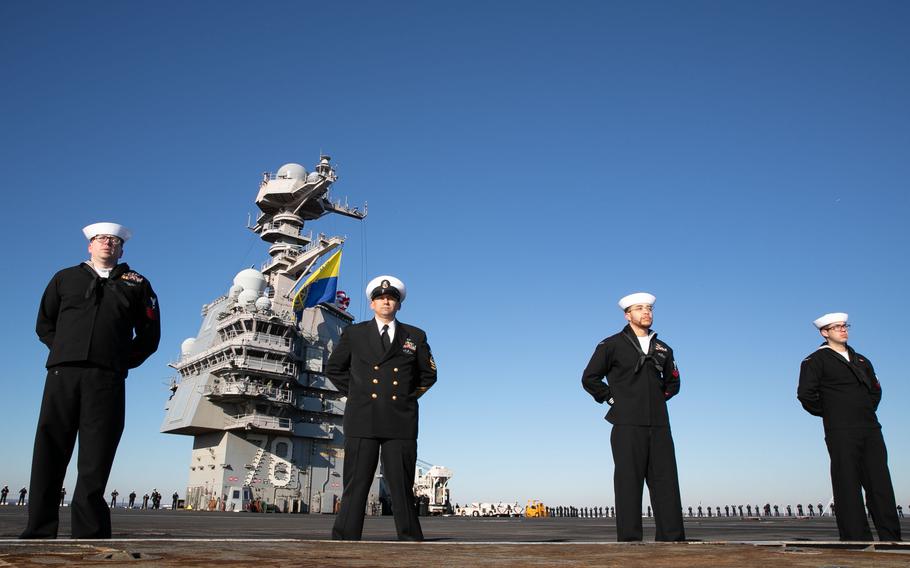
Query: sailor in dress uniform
(383,366)
(99,319)
(839,385)
(642,377)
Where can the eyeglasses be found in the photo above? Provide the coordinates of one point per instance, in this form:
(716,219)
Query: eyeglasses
(840,327)
(642,308)
(110,239)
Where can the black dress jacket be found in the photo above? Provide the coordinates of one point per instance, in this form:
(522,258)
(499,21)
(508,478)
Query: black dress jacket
(844,393)
(639,383)
(106,322)
(382,386)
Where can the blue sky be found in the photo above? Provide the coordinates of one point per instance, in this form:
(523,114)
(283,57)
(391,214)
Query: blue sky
(525,168)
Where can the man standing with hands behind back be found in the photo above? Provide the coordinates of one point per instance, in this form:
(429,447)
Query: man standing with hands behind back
(383,366)
(839,384)
(642,376)
(99,319)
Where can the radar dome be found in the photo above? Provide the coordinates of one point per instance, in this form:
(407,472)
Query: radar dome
(291,171)
(250,279)
(235,291)
(263,304)
(313,177)
(187,346)
(247,297)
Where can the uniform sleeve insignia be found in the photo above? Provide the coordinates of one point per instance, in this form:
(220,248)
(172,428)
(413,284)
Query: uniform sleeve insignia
(432,363)
(151,309)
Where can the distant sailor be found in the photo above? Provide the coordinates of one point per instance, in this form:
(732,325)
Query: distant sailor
(642,376)
(99,319)
(839,384)
(383,366)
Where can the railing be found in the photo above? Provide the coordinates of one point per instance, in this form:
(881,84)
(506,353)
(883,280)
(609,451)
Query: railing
(223,357)
(258,339)
(285,228)
(250,388)
(260,421)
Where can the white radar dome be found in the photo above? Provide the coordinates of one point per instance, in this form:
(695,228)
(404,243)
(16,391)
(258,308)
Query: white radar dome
(250,279)
(263,304)
(247,297)
(292,171)
(187,346)
(235,291)
(313,177)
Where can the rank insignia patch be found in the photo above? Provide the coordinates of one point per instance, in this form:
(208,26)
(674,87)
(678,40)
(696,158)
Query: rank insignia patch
(151,309)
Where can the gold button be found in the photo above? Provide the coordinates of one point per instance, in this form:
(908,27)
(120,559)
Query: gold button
(395,369)
(395,383)
(375,381)
(394,397)
(374,395)
(375,367)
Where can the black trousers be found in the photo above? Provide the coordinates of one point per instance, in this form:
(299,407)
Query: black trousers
(399,460)
(859,461)
(90,402)
(646,453)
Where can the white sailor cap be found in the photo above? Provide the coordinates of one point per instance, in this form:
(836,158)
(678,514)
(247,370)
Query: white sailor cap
(386,285)
(637,298)
(828,319)
(114,229)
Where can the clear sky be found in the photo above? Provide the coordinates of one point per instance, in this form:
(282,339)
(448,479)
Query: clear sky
(747,163)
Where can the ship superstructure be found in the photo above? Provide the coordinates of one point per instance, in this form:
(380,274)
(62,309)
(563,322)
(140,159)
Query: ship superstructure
(265,421)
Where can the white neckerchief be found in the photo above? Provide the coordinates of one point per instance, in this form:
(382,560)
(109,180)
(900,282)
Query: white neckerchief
(391,325)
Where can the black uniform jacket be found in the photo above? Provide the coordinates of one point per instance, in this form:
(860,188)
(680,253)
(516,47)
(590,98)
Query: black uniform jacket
(106,322)
(639,383)
(382,387)
(844,393)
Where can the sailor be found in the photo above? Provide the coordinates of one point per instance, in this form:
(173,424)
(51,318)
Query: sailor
(383,366)
(839,384)
(642,376)
(99,319)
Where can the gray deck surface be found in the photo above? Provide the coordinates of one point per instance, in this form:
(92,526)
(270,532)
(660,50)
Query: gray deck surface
(183,539)
(164,524)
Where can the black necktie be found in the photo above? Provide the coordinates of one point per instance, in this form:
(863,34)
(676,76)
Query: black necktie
(386,342)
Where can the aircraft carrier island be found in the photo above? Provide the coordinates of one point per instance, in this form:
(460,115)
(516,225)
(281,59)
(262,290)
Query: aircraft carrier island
(265,421)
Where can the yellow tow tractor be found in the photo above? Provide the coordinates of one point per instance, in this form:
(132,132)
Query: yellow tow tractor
(535,509)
